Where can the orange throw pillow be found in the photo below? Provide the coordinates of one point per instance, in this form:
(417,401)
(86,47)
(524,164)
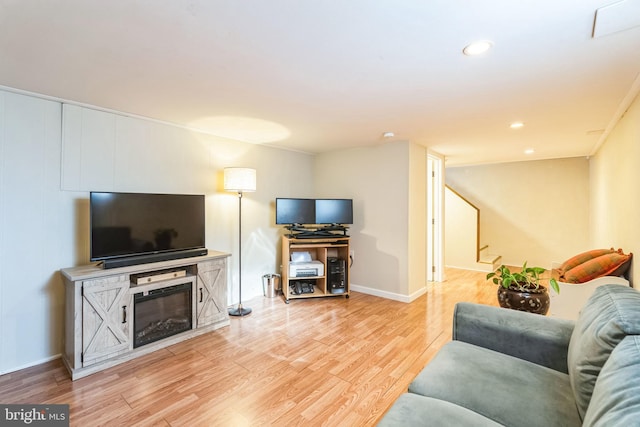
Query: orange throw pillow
(582,258)
(612,264)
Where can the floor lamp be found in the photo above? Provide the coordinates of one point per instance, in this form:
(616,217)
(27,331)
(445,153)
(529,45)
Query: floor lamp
(241,180)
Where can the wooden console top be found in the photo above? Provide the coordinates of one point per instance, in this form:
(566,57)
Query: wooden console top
(92,271)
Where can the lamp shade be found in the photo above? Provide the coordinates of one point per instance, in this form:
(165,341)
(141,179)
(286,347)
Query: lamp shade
(240,179)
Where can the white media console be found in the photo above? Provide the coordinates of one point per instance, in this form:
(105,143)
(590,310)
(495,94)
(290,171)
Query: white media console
(111,315)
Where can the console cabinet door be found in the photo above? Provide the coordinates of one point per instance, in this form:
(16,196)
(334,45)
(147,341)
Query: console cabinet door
(211,304)
(106,315)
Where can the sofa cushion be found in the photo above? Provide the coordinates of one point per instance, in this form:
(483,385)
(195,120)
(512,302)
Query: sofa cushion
(612,312)
(581,258)
(613,264)
(415,410)
(539,339)
(616,396)
(503,388)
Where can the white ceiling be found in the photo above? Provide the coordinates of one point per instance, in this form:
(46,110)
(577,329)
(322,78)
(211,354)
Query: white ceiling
(315,75)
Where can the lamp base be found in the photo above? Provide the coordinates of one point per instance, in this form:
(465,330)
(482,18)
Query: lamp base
(239,311)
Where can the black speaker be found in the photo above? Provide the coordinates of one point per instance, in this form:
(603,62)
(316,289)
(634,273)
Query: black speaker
(336,275)
(147,259)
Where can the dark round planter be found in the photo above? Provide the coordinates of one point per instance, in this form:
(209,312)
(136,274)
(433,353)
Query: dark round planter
(533,301)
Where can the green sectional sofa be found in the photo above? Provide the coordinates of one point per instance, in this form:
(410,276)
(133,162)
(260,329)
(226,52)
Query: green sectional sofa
(510,368)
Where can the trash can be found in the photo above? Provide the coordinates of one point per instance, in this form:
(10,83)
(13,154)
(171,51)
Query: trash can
(270,285)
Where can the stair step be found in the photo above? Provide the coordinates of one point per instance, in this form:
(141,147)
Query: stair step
(490,259)
(493,260)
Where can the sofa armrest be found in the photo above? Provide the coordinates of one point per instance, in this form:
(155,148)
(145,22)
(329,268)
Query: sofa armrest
(538,339)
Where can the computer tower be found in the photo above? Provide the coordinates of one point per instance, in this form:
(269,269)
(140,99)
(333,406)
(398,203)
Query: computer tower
(336,276)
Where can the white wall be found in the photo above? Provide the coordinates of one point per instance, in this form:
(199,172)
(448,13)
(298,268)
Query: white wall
(385,182)
(615,175)
(535,211)
(44,185)
(110,152)
(37,223)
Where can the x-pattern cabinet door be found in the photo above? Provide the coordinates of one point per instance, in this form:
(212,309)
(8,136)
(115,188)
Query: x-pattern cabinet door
(106,315)
(211,292)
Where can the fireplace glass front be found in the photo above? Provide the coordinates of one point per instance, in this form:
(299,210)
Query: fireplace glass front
(161,313)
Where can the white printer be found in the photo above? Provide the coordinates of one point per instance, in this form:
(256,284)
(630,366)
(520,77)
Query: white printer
(302,265)
(306,269)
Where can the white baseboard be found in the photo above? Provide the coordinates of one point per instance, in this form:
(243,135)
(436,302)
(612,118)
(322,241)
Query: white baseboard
(476,268)
(389,295)
(30,364)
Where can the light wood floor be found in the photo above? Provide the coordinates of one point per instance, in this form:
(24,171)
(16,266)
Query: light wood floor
(326,361)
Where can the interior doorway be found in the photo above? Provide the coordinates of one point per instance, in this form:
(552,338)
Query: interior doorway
(435,215)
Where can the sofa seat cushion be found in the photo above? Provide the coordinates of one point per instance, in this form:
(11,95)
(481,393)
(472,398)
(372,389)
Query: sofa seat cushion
(612,313)
(505,389)
(415,410)
(616,396)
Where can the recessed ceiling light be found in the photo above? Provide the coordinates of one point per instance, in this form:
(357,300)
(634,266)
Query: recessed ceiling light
(516,125)
(388,135)
(529,151)
(477,48)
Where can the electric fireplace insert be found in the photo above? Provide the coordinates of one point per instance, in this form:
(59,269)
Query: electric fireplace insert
(162,313)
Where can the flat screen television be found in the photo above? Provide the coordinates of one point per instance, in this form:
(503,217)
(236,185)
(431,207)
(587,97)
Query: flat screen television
(144,227)
(334,211)
(314,211)
(295,211)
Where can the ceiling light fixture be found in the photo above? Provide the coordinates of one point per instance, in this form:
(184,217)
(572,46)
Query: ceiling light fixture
(388,135)
(516,125)
(529,151)
(477,48)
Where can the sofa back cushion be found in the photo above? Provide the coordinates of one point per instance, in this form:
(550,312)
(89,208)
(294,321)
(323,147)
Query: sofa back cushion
(616,396)
(612,313)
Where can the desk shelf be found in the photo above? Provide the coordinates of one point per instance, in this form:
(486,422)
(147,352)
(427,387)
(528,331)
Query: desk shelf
(332,252)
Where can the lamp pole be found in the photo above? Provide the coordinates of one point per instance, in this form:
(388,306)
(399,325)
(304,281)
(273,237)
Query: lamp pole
(240,180)
(239,311)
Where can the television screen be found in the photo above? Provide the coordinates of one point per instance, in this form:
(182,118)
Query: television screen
(334,211)
(128,224)
(295,211)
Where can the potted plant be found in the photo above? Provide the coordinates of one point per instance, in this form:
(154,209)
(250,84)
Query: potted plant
(522,290)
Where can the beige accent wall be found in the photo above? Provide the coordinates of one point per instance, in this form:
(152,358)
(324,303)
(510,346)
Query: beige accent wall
(460,230)
(535,211)
(615,175)
(388,186)
(417,217)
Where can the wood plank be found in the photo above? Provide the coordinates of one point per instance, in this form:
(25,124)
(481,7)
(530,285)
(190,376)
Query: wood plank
(326,361)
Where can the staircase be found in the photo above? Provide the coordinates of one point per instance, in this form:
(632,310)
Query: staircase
(488,262)
(462,236)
